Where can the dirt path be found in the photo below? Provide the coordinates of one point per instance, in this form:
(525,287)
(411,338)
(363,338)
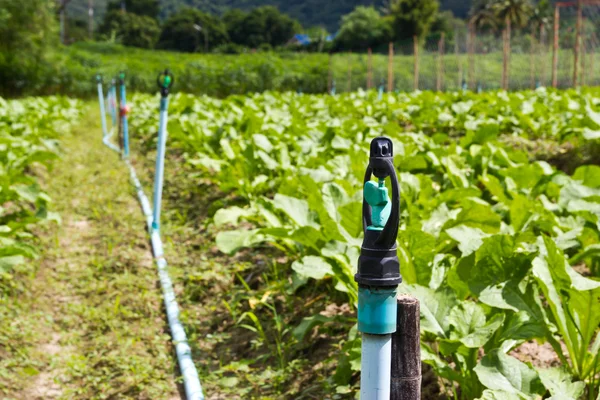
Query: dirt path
(95,303)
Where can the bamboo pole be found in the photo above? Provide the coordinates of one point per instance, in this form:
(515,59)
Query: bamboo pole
(532,63)
(390,83)
(555,47)
(577,46)
(440,70)
(471,50)
(416,63)
(406,351)
(370,69)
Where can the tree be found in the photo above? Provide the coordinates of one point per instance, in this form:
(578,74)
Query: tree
(132,29)
(191,30)
(483,16)
(513,12)
(149,8)
(412,17)
(361,29)
(28,33)
(234,23)
(446,23)
(266,25)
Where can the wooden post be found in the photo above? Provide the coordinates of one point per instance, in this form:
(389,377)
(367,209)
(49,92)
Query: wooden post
(370,69)
(508,51)
(458,59)
(91,18)
(471,50)
(406,351)
(555,48)
(390,82)
(416,63)
(532,63)
(329,75)
(440,69)
(577,46)
(592,56)
(583,55)
(503,82)
(542,60)
(350,72)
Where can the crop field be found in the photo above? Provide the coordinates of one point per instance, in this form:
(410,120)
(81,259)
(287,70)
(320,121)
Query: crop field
(499,240)
(499,237)
(220,75)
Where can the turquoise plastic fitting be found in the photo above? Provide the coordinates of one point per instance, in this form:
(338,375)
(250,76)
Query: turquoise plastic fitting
(377,197)
(377,310)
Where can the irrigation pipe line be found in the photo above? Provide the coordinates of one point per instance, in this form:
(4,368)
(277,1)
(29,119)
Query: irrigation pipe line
(191,382)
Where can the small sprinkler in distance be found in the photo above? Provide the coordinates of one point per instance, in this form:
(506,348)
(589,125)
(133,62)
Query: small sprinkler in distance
(165,80)
(378,273)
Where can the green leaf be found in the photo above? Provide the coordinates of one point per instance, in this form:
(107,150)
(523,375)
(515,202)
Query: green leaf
(9,262)
(313,267)
(470,325)
(435,307)
(498,371)
(294,208)
(229,242)
(589,175)
(231,215)
(560,384)
(468,239)
(307,325)
(499,395)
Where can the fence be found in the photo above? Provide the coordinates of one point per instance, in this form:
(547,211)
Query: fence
(544,54)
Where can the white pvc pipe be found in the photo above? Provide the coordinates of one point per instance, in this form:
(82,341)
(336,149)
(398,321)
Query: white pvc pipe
(102,111)
(375,367)
(160,162)
(191,382)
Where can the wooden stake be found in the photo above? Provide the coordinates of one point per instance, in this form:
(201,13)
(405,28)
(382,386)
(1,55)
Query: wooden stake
(592,56)
(532,63)
(508,50)
(583,55)
(440,71)
(350,72)
(542,60)
(577,46)
(458,59)
(91,18)
(406,351)
(390,83)
(329,75)
(471,50)
(370,69)
(416,63)
(555,48)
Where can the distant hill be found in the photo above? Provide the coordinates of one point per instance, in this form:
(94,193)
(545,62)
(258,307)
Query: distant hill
(308,12)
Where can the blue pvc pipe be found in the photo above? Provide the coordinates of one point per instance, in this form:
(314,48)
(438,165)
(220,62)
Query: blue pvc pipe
(125,128)
(160,162)
(102,110)
(113,104)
